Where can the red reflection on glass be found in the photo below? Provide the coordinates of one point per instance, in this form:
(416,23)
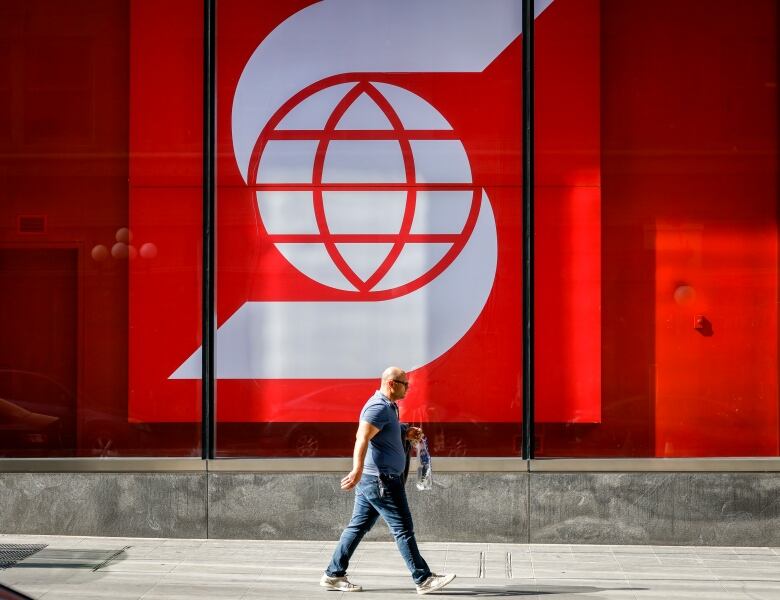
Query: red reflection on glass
(689,171)
(72,130)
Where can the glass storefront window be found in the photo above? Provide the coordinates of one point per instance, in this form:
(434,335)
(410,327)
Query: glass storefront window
(662,200)
(369,213)
(100,226)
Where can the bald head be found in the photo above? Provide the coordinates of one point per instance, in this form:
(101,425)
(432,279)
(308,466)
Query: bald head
(392,373)
(394,383)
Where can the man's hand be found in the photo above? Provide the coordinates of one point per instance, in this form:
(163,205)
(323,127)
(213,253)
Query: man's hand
(414,434)
(350,481)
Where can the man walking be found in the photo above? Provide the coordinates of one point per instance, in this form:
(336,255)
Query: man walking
(378,465)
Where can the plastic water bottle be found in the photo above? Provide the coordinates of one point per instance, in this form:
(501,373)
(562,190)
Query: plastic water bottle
(424,471)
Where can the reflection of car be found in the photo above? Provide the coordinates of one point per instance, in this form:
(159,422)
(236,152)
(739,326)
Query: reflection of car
(39,417)
(302,440)
(338,439)
(7,593)
(275,437)
(26,430)
(36,413)
(468,437)
(305,440)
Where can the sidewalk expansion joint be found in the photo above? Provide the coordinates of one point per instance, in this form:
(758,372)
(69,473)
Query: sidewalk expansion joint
(110,558)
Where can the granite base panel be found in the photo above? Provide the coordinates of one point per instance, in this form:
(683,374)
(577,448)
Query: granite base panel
(697,509)
(169,505)
(466,507)
(728,509)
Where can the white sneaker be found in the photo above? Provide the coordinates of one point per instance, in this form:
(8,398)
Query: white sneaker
(433,583)
(340,584)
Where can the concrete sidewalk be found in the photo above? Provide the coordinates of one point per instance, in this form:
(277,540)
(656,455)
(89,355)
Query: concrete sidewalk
(132,568)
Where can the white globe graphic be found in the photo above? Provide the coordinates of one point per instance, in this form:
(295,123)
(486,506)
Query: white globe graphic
(364,186)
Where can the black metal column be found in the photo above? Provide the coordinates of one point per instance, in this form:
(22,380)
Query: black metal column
(208,317)
(528,229)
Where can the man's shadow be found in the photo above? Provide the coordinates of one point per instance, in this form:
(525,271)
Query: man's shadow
(520,590)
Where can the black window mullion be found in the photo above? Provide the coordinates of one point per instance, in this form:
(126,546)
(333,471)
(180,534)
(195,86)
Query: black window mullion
(528,229)
(208,317)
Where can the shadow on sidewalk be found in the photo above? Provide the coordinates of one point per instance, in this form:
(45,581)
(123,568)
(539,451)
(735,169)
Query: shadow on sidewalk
(507,591)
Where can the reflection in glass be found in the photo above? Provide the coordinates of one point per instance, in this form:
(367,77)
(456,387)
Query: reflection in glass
(671,166)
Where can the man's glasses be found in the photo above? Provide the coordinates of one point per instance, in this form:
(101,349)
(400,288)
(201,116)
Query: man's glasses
(403,383)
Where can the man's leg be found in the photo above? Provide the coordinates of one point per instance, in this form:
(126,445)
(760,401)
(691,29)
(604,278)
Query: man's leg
(363,518)
(394,509)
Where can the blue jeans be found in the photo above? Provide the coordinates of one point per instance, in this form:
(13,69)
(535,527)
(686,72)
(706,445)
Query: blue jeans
(394,509)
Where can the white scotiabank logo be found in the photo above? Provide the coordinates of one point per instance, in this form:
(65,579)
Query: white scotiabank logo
(363,186)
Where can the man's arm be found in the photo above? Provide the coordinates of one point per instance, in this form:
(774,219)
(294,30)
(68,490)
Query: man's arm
(364,434)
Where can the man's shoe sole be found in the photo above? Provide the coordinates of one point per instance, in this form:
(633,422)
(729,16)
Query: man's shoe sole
(333,588)
(436,589)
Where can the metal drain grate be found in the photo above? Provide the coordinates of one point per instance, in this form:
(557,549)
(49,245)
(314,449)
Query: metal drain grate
(10,554)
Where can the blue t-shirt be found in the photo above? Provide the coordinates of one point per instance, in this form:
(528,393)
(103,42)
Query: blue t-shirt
(385,450)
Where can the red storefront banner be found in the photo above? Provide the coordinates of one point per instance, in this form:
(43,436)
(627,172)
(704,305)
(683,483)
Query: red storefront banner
(369,213)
